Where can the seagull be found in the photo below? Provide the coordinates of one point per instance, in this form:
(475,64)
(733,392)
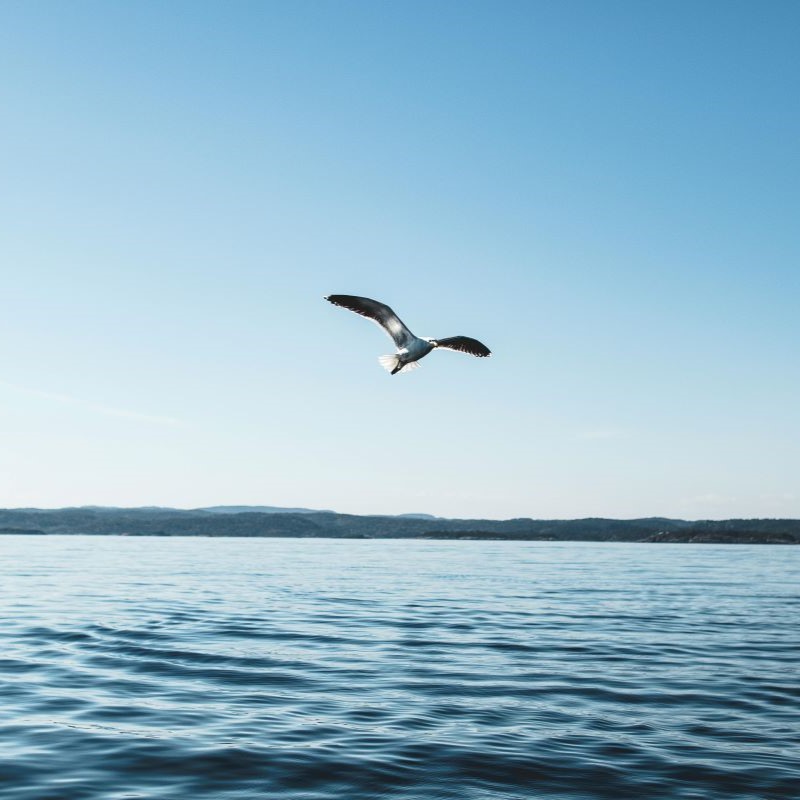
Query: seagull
(410,348)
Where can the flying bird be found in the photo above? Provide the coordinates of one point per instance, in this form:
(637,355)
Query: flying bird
(410,348)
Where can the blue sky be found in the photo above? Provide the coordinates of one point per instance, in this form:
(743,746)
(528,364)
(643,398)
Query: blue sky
(605,193)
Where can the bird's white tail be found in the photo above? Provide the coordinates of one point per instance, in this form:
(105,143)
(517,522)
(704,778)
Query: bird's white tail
(388,362)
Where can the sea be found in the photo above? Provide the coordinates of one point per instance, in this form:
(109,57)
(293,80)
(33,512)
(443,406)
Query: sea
(313,669)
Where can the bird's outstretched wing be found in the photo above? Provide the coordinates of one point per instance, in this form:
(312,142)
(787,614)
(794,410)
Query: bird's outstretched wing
(465,345)
(377,312)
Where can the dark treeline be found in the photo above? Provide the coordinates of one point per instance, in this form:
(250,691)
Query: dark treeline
(200,522)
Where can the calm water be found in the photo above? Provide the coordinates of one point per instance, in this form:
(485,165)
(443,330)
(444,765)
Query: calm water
(307,669)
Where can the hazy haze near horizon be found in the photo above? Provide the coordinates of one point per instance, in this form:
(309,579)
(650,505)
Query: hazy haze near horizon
(606,194)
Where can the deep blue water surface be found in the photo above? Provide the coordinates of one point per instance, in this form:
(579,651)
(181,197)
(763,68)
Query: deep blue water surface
(235,669)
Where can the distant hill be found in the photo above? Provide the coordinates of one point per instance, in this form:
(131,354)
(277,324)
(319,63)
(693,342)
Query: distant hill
(255,521)
(261,510)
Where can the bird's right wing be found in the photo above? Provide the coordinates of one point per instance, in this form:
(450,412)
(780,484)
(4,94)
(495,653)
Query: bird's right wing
(464,344)
(377,312)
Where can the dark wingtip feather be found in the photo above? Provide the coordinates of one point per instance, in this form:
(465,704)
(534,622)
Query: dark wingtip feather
(465,344)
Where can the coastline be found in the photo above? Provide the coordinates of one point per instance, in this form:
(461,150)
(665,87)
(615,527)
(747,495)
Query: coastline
(99,521)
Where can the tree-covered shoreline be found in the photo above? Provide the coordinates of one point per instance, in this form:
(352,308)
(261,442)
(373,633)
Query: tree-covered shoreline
(315,524)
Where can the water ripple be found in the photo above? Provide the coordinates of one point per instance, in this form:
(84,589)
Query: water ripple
(313,669)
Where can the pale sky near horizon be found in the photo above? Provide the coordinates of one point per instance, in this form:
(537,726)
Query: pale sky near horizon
(606,193)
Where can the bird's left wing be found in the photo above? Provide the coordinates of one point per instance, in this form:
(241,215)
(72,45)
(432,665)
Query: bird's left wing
(465,345)
(377,312)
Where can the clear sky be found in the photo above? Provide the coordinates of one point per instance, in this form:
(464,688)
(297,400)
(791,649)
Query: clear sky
(606,193)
